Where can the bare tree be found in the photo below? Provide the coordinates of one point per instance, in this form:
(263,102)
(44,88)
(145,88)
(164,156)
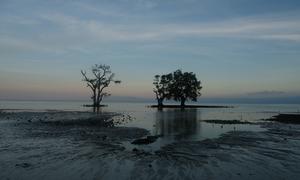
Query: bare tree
(101,79)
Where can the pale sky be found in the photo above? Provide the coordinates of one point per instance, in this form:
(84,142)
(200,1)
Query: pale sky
(237,48)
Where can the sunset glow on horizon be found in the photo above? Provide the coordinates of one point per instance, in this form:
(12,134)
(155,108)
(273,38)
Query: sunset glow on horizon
(236,48)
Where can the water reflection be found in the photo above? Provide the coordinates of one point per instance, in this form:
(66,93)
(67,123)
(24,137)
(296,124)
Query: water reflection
(181,123)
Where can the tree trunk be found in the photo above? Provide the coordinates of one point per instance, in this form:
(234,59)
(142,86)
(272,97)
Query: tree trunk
(182,102)
(94,98)
(98,99)
(160,102)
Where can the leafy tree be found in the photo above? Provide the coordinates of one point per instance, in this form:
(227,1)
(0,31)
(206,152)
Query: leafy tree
(162,88)
(101,79)
(185,86)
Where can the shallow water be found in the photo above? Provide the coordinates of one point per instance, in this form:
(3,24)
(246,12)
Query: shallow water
(184,125)
(171,124)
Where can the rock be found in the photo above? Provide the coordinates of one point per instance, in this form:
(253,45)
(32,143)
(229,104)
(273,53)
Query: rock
(148,140)
(23,165)
(140,141)
(104,137)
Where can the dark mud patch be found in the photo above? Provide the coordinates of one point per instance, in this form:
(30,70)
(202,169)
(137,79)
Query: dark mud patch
(286,118)
(227,122)
(147,140)
(101,121)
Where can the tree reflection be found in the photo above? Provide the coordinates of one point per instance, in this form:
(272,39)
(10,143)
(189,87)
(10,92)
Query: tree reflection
(182,123)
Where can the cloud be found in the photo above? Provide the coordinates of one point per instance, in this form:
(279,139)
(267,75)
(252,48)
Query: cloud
(69,33)
(287,37)
(240,28)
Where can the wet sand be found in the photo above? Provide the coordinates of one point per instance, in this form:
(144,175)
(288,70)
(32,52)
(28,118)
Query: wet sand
(82,145)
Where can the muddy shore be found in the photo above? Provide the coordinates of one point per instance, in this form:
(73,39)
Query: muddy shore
(82,145)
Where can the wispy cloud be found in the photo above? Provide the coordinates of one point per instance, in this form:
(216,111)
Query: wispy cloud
(287,37)
(288,30)
(76,33)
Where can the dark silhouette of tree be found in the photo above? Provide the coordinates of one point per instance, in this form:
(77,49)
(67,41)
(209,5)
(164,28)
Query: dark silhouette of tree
(101,79)
(162,88)
(185,86)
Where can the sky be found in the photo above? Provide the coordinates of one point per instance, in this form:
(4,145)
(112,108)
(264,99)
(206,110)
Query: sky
(237,48)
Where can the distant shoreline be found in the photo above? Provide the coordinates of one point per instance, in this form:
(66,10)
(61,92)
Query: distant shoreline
(190,106)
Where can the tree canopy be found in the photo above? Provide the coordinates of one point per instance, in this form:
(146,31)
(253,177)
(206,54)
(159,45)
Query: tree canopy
(180,86)
(161,87)
(185,86)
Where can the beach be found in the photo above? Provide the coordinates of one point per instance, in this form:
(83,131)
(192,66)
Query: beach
(84,145)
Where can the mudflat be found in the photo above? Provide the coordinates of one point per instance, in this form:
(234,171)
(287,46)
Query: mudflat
(84,145)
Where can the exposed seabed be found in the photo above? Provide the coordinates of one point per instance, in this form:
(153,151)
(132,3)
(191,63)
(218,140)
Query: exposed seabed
(82,145)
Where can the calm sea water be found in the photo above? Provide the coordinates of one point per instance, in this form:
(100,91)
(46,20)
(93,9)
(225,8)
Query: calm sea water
(172,124)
